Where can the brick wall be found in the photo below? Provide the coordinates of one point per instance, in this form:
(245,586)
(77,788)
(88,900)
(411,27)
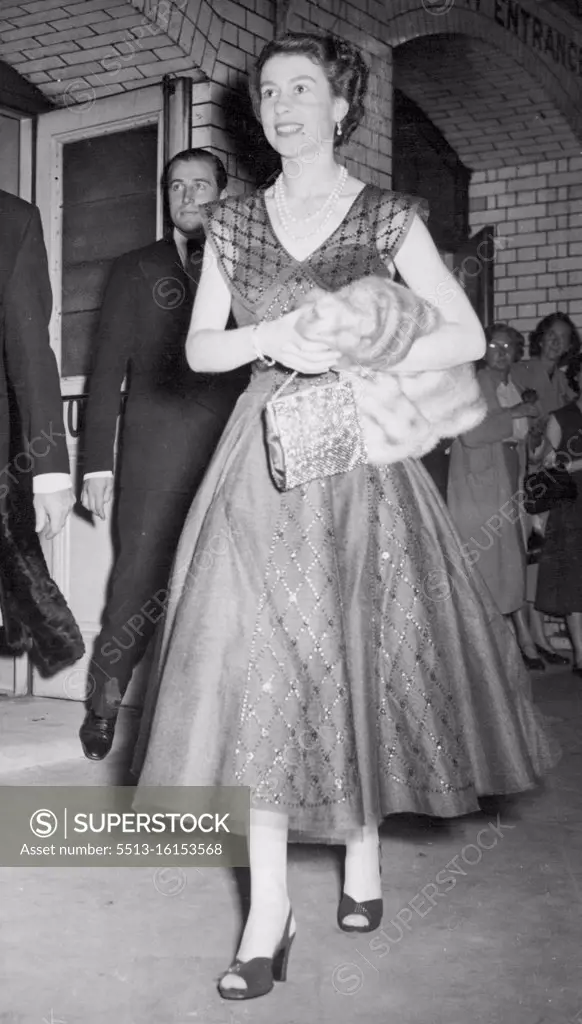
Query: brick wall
(74,50)
(491,110)
(537,213)
(247,26)
(495,101)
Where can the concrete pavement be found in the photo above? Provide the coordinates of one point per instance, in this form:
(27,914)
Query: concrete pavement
(501,945)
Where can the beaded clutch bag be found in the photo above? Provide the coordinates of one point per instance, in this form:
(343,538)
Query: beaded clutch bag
(313,433)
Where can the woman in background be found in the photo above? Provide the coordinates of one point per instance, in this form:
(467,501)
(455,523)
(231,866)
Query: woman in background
(559,590)
(552,345)
(486,475)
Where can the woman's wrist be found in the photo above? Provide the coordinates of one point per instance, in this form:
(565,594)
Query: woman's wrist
(213,351)
(257,343)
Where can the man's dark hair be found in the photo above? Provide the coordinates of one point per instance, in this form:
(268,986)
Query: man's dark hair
(216,163)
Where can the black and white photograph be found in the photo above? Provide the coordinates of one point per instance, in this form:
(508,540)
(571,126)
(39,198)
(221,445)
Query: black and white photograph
(291,511)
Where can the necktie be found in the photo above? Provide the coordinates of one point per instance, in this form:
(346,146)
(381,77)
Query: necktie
(192,247)
(193,262)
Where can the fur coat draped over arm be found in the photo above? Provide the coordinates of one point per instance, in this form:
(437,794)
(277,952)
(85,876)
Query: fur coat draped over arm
(402,415)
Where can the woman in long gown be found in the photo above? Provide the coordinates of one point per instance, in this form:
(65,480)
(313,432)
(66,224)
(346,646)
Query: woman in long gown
(326,646)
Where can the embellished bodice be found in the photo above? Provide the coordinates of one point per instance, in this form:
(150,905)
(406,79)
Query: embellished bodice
(266,281)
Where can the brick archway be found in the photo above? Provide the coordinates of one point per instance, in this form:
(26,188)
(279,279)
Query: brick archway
(415,20)
(514,123)
(491,111)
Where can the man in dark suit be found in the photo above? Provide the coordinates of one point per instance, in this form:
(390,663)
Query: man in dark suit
(172,422)
(28,369)
(35,487)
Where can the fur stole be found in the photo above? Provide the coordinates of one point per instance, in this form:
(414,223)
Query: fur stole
(374,323)
(407,416)
(36,617)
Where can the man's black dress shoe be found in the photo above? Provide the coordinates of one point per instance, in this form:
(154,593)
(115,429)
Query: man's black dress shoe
(552,657)
(96,735)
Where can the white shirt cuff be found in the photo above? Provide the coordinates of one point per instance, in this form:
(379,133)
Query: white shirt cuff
(48,483)
(103,473)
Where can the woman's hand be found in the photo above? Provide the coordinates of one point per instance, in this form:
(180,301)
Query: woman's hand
(328,320)
(281,340)
(372,322)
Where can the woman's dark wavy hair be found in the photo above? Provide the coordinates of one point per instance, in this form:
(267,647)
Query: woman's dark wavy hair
(343,66)
(537,335)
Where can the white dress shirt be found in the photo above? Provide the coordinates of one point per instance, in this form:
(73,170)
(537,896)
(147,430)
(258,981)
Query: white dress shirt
(48,483)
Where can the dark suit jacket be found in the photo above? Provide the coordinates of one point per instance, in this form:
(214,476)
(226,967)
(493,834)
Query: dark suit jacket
(142,333)
(35,615)
(28,369)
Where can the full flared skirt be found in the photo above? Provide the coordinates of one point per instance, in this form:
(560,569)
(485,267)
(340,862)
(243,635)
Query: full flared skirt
(329,648)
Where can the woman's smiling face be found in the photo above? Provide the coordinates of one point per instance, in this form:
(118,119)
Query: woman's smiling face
(556,341)
(298,111)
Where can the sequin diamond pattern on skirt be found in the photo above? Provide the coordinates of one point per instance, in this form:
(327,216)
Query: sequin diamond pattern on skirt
(337,656)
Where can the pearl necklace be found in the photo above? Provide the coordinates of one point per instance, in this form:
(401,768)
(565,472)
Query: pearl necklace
(286,218)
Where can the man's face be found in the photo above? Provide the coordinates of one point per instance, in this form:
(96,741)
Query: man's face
(191,184)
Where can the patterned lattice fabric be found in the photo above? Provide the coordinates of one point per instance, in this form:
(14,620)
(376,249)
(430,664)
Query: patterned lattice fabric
(329,647)
(266,280)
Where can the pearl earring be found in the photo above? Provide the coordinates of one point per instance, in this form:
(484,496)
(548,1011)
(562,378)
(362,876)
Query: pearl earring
(339,128)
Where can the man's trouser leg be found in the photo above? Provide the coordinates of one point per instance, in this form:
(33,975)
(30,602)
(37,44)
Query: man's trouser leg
(149,524)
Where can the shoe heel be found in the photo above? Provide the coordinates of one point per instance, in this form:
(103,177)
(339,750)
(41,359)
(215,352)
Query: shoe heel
(261,972)
(281,961)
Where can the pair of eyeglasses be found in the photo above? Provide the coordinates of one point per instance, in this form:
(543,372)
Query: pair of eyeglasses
(504,346)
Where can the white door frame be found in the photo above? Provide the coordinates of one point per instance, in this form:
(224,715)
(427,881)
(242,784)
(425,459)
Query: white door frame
(106,116)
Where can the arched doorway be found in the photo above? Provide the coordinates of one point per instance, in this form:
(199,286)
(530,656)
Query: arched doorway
(424,164)
(509,121)
(522,155)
